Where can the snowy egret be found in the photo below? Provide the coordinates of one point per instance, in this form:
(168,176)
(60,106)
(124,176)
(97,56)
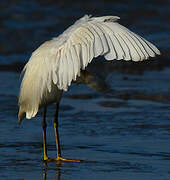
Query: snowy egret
(58,62)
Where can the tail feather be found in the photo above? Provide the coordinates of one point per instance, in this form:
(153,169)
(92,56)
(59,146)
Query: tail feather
(30,91)
(21,115)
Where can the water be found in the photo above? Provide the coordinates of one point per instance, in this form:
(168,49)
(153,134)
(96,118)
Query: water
(119,123)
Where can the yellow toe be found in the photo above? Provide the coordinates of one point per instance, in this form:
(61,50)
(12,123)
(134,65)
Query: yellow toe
(65,159)
(60,159)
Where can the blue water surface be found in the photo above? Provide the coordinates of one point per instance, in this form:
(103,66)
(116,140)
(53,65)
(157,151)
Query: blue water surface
(122,133)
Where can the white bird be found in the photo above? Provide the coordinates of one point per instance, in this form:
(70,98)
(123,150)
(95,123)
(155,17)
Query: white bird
(56,63)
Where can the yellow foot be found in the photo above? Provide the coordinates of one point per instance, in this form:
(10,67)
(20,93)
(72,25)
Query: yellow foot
(60,159)
(64,159)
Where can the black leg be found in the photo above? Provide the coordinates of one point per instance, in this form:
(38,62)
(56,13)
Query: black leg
(56,131)
(44,126)
(59,158)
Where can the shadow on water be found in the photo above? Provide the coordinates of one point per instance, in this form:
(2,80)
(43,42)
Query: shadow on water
(58,173)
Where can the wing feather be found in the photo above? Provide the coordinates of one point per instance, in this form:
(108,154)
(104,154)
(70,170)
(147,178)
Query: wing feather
(134,53)
(59,61)
(104,45)
(75,62)
(54,69)
(89,44)
(78,53)
(60,70)
(70,69)
(98,47)
(114,40)
(121,51)
(86,39)
(149,47)
(125,47)
(91,34)
(143,52)
(111,54)
(72,62)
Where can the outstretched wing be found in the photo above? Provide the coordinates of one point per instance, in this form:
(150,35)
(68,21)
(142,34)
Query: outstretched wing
(89,37)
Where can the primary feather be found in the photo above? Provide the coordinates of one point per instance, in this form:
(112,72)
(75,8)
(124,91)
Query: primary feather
(57,62)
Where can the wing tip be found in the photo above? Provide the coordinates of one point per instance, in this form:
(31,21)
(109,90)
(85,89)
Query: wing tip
(158,52)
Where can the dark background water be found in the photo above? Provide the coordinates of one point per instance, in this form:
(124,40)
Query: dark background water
(119,122)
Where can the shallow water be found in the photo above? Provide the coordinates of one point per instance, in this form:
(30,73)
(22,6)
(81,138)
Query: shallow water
(116,137)
(121,131)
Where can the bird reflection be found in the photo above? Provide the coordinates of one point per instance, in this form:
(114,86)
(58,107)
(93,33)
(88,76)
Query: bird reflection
(58,172)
